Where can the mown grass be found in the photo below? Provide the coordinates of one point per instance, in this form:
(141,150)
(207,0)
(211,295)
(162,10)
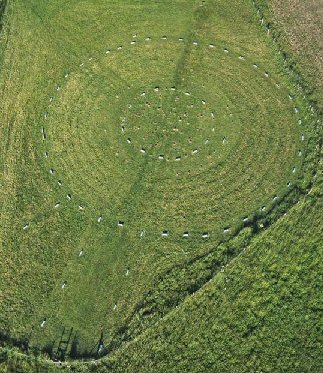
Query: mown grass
(205,192)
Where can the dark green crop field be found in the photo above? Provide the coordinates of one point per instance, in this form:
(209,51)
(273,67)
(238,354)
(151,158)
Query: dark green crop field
(161,189)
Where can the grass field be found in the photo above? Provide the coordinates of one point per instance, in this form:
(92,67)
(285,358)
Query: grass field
(145,147)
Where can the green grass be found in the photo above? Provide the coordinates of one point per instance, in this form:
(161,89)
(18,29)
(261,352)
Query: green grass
(261,314)
(239,141)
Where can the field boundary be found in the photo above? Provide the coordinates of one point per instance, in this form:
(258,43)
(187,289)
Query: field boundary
(148,312)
